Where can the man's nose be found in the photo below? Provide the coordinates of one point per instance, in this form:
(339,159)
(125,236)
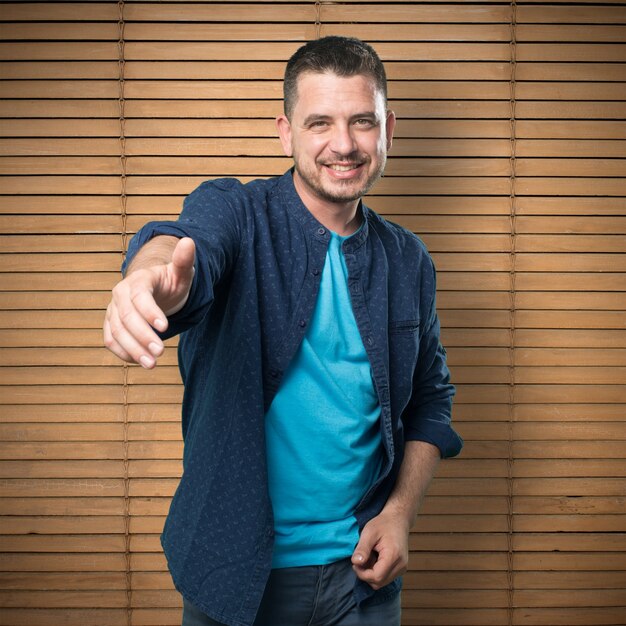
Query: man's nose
(342,140)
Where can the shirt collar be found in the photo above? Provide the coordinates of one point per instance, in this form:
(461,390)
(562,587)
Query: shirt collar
(295,206)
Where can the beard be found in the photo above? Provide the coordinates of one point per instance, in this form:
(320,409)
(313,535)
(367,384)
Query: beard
(339,191)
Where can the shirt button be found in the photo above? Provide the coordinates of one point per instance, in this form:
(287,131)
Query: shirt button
(302,323)
(370,341)
(315,272)
(321,231)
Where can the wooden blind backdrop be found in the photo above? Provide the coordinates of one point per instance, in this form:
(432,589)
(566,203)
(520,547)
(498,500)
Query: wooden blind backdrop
(509,161)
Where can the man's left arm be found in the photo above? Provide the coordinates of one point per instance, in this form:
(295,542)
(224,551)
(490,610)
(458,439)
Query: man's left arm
(382,553)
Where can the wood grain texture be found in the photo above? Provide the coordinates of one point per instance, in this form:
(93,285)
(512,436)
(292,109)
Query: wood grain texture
(531,286)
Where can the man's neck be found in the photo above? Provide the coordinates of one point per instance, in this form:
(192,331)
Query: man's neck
(343,218)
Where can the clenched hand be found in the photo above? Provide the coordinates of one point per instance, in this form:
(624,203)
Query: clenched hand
(382,553)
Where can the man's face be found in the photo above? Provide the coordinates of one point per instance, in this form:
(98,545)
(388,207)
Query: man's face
(338,136)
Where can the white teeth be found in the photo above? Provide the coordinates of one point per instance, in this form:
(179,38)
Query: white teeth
(342,168)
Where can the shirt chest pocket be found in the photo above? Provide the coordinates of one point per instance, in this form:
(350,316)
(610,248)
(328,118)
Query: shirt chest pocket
(404,327)
(404,338)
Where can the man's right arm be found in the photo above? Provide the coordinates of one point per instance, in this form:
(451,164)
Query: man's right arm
(157,284)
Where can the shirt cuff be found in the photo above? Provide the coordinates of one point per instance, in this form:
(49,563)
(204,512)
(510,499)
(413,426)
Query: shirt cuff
(179,321)
(437,433)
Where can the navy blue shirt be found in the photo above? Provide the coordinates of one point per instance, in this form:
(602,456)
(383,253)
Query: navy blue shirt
(259,258)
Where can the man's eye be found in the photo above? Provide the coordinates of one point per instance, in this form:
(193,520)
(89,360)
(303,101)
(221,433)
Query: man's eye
(319,124)
(364,122)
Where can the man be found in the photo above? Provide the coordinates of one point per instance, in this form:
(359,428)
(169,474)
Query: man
(317,398)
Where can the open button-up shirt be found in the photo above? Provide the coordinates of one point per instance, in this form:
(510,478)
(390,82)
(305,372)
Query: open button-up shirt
(259,258)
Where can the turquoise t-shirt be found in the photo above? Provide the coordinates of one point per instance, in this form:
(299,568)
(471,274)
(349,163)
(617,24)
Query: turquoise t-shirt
(323,442)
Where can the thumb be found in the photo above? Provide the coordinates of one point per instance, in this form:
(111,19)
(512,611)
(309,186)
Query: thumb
(183,257)
(177,277)
(363,553)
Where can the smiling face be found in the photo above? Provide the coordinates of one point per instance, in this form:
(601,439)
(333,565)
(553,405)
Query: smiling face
(338,135)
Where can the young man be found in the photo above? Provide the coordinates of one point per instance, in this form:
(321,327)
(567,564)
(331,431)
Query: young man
(317,398)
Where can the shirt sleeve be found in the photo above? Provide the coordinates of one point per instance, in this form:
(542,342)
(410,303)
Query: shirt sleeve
(428,414)
(212,218)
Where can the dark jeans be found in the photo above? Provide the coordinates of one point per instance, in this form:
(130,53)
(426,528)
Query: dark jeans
(311,596)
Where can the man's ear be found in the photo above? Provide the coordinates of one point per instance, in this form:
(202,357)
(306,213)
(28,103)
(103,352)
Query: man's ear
(284,132)
(390,125)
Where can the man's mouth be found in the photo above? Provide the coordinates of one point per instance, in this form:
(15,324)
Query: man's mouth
(343,168)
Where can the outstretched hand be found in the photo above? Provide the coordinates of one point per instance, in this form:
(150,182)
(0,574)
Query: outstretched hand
(382,553)
(144,299)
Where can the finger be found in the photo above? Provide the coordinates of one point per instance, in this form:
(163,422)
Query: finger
(381,573)
(111,343)
(143,316)
(364,555)
(129,345)
(364,563)
(386,569)
(128,336)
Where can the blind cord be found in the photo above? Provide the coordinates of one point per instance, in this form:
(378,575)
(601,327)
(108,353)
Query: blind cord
(512,319)
(123,247)
(318,20)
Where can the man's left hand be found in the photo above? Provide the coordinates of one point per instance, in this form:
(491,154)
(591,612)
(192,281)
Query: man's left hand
(382,553)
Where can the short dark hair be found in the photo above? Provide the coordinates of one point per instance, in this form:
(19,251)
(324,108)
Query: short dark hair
(343,56)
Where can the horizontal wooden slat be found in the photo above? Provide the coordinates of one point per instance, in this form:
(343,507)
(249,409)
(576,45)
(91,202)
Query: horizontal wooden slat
(53,11)
(568,99)
(306,31)
(62,581)
(162,431)
(55,300)
(570,33)
(570,52)
(62,31)
(60,69)
(557,282)
(66,51)
(57,283)
(347,12)
(573,15)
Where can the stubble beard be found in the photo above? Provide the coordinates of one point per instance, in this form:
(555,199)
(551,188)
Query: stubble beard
(337,195)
